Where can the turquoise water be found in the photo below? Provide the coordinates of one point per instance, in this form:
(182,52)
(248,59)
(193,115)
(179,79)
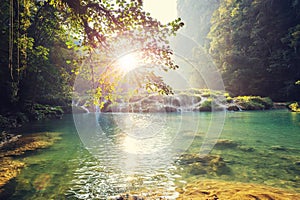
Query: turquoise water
(267,151)
(99,163)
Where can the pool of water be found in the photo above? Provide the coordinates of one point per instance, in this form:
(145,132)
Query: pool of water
(100,156)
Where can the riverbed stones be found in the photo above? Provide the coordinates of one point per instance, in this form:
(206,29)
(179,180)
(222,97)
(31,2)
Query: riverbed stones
(246,149)
(9,166)
(225,144)
(279,148)
(9,169)
(209,164)
(214,189)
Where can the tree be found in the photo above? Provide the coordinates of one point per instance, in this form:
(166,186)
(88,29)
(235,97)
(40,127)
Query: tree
(254,44)
(35,31)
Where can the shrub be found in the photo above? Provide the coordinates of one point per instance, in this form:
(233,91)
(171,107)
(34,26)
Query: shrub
(254,102)
(294,107)
(206,105)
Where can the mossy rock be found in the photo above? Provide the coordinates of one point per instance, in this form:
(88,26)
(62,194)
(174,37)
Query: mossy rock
(246,149)
(250,106)
(206,106)
(209,164)
(253,102)
(229,99)
(29,142)
(294,107)
(9,167)
(225,144)
(233,108)
(279,148)
(209,105)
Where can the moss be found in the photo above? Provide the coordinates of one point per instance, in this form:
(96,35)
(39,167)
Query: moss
(229,99)
(226,95)
(294,107)
(209,164)
(253,102)
(209,105)
(267,102)
(233,107)
(206,105)
(225,144)
(39,111)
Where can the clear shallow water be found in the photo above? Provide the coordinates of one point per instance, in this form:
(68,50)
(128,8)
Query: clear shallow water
(267,151)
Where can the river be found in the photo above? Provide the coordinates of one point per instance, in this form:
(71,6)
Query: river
(102,156)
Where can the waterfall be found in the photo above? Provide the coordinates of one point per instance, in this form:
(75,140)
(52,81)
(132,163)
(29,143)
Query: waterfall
(85,108)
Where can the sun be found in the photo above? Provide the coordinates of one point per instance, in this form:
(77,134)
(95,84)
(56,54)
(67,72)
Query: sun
(128,62)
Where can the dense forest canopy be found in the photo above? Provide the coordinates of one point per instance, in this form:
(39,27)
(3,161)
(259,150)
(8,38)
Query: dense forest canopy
(254,43)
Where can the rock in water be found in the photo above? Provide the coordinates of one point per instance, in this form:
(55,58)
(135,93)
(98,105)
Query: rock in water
(210,164)
(42,182)
(224,144)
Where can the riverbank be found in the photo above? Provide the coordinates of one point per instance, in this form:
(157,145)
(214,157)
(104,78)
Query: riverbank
(14,146)
(219,190)
(28,113)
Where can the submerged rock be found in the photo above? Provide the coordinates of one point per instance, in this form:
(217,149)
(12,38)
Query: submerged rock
(246,149)
(42,182)
(29,142)
(224,144)
(279,148)
(253,102)
(297,163)
(233,107)
(9,167)
(214,190)
(209,164)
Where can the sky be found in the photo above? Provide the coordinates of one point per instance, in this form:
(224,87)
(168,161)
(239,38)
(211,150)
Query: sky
(163,10)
